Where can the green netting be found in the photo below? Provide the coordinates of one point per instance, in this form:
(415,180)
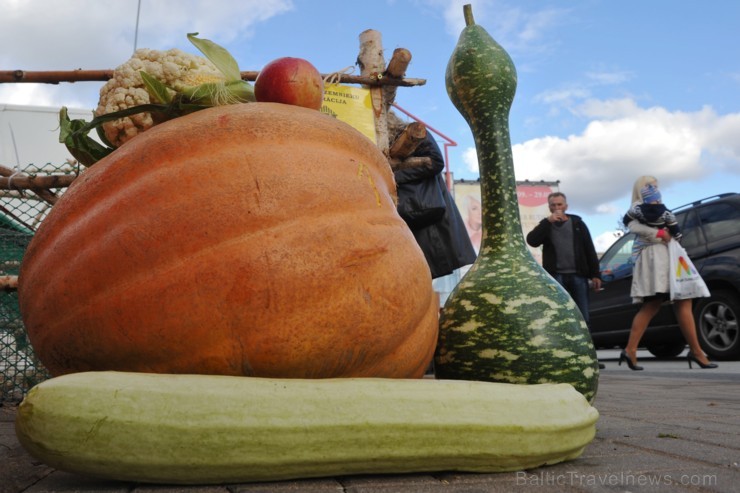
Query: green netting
(20,214)
(18,366)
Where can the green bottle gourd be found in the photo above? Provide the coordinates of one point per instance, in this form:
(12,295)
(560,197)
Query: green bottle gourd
(507,320)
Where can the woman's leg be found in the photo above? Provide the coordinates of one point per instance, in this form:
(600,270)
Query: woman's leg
(685,317)
(639,326)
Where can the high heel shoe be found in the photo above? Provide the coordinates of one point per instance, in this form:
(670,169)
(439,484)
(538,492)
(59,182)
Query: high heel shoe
(690,357)
(632,366)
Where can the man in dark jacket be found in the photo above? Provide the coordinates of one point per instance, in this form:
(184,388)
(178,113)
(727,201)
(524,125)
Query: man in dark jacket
(568,252)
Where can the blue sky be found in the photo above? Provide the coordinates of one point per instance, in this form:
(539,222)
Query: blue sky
(607,90)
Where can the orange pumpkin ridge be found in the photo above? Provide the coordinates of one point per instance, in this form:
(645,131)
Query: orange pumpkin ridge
(256,239)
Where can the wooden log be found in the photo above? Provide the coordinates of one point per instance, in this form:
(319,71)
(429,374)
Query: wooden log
(408,140)
(396,70)
(372,64)
(54,76)
(57,76)
(38,184)
(399,63)
(12,178)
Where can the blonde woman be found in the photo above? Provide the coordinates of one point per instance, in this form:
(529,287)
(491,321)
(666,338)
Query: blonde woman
(650,281)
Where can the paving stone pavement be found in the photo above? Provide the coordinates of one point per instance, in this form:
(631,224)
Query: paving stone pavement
(664,429)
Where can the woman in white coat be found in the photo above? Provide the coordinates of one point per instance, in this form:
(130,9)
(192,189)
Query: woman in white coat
(650,286)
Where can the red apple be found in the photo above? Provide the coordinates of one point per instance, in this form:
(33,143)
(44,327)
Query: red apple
(290,81)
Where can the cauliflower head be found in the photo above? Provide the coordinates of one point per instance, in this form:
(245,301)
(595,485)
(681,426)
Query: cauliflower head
(125,89)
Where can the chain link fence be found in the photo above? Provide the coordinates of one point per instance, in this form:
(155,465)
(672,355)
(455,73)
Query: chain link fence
(21,212)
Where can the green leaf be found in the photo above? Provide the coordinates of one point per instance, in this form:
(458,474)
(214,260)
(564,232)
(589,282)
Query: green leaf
(73,135)
(242,90)
(203,93)
(218,55)
(157,90)
(218,93)
(103,138)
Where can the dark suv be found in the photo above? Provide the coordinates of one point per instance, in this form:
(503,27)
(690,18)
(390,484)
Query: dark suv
(711,236)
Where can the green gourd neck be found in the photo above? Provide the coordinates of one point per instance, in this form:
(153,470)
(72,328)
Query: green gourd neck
(486,108)
(500,208)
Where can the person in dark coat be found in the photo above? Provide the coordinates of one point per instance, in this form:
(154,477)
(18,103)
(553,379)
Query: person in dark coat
(568,253)
(430,212)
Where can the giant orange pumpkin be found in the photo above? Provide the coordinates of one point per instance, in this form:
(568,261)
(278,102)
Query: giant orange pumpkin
(257,239)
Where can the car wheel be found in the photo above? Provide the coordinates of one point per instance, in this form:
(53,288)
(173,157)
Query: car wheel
(717,324)
(667,350)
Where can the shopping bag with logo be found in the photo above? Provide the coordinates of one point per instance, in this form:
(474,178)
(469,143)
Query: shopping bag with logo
(685,280)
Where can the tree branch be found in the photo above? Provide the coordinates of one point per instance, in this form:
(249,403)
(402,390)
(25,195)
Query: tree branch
(57,76)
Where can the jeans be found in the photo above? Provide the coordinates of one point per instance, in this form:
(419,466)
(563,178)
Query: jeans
(577,287)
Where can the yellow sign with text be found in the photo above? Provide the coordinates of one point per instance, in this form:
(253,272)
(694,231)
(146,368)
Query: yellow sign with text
(351,105)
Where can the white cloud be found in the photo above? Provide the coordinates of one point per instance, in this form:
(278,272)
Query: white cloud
(516,28)
(562,97)
(607,109)
(609,78)
(603,241)
(91,34)
(623,141)
(722,138)
(470,158)
(608,209)
(453,13)
(536,23)
(100,25)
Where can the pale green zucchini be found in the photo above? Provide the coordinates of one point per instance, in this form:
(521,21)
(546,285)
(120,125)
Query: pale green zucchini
(200,429)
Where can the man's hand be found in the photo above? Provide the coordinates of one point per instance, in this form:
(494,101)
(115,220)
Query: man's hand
(596,284)
(557,217)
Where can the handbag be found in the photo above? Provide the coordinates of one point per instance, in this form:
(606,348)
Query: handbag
(684,279)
